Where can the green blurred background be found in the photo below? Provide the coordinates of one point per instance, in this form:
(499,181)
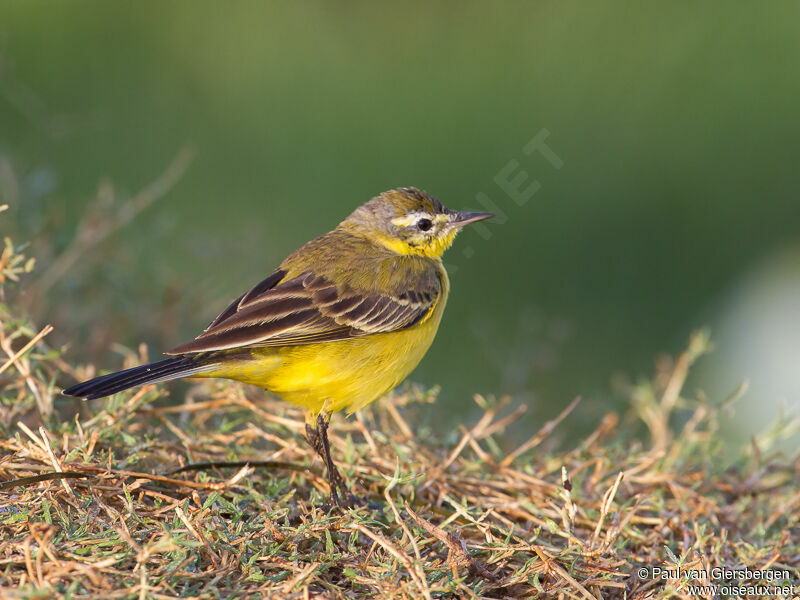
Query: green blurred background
(676,124)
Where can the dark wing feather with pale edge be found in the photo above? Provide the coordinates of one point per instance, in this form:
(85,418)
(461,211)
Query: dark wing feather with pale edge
(307,309)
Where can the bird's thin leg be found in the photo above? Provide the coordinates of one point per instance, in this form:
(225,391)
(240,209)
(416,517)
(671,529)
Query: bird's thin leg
(335,478)
(313,439)
(318,440)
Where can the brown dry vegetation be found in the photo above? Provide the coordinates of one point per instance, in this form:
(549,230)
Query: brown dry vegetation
(117,499)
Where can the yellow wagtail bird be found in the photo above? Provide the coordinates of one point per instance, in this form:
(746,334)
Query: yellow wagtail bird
(343,320)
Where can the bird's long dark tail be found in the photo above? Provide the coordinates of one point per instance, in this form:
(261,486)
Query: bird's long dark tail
(162,370)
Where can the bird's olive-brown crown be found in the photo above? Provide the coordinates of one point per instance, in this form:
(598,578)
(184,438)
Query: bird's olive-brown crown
(409,221)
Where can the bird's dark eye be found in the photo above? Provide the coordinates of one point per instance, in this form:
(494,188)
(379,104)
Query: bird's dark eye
(424,224)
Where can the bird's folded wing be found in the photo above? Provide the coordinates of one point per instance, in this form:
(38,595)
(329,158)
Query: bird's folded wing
(310,308)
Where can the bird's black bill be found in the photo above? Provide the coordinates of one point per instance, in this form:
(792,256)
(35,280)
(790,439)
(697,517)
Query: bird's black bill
(465,218)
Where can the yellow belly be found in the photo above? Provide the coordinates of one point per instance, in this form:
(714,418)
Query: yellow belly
(340,375)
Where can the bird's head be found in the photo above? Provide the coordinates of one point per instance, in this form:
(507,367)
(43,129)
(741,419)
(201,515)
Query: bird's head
(409,221)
